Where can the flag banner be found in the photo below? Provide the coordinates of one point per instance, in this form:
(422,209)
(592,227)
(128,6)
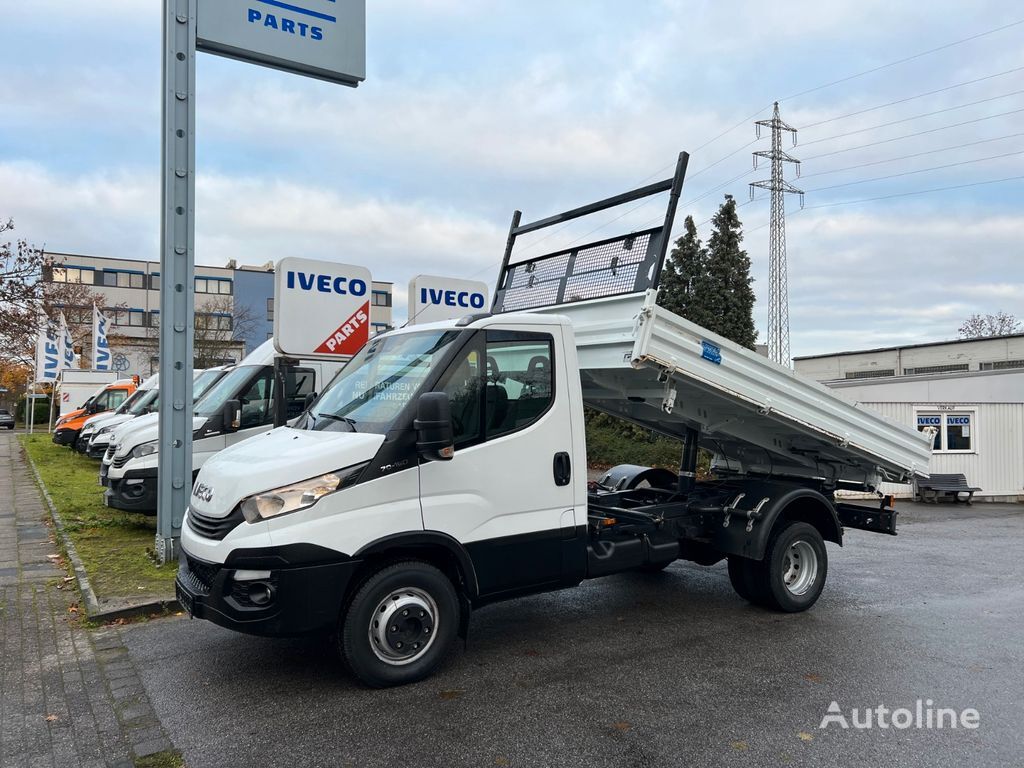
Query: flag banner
(48,353)
(67,346)
(100,346)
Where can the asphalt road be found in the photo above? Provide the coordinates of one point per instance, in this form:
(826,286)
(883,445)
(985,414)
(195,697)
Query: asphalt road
(646,670)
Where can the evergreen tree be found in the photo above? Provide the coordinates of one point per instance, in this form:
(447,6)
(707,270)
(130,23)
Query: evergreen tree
(711,285)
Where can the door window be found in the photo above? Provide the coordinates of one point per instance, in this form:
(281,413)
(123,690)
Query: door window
(520,384)
(462,384)
(255,400)
(299,382)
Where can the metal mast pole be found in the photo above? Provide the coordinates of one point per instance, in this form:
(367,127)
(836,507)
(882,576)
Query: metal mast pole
(177,269)
(778,278)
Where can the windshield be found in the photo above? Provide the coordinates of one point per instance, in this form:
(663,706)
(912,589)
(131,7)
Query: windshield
(144,403)
(371,390)
(226,389)
(202,383)
(133,398)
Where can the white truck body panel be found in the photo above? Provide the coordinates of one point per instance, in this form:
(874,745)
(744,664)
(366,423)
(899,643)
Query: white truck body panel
(77,386)
(753,413)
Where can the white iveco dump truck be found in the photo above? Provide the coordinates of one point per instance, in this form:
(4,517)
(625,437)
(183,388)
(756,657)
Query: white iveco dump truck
(445,467)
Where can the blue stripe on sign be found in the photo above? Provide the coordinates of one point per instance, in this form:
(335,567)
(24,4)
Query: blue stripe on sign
(286,6)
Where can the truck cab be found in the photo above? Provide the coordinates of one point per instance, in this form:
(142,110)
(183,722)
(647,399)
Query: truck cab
(107,399)
(242,403)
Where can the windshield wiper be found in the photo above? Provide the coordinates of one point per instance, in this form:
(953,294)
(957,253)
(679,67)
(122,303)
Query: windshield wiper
(351,422)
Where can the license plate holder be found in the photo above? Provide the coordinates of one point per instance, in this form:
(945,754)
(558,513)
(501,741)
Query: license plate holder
(184,598)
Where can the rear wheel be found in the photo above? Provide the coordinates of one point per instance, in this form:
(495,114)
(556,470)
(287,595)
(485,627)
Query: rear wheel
(400,625)
(793,572)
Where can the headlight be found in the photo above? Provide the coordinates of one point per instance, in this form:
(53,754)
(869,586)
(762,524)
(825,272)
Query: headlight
(144,449)
(104,430)
(88,429)
(292,498)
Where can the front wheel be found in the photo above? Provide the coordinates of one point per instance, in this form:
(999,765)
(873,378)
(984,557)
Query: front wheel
(400,625)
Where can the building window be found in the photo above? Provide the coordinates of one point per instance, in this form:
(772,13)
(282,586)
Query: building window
(213,321)
(270,310)
(154,281)
(154,318)
(951,368)
(1001,365)
(381,299)
(954,430)
(213,285)
(137,280)
(136,318)
(71,275)
(108,279)
(870,374)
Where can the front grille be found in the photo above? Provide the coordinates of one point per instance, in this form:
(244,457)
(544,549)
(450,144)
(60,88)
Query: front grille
(120,461)
(214,527)
(109,455)
(199,575)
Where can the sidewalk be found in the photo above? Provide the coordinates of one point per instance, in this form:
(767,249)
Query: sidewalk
(68,696)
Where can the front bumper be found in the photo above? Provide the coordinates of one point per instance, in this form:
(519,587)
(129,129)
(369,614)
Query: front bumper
(135,492)
(303,593)
(65,436)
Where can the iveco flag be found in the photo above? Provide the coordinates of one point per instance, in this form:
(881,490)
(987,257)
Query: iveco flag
(49,353)
(320,308)
(67,344)
(325,39)
(100,346)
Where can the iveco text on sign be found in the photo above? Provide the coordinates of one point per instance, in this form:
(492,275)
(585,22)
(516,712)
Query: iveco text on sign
(444,298)
(325,39)
(320,308)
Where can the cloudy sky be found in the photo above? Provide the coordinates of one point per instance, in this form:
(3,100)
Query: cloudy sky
(474,108)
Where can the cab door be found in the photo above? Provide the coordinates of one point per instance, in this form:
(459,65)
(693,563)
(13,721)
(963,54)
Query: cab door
(507,495)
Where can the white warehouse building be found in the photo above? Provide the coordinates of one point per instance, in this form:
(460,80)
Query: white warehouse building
(970,391)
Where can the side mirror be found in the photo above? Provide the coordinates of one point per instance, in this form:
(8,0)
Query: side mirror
(435,440)
(308,401)
(231,416)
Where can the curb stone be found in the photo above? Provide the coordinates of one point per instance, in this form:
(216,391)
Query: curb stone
(93,610)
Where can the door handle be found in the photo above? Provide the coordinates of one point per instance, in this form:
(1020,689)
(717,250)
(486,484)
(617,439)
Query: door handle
(562,468)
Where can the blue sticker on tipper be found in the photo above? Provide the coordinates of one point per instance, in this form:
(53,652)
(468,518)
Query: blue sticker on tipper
(711,352)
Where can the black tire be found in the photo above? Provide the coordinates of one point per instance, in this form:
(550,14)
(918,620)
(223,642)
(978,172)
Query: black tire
(776,580)
(417,583)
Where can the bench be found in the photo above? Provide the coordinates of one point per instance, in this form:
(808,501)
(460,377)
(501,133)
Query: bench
(945,485)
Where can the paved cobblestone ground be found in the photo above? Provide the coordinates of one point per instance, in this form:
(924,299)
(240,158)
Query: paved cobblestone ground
(69,696)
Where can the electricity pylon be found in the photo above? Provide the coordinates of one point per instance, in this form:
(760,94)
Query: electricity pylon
(778,288)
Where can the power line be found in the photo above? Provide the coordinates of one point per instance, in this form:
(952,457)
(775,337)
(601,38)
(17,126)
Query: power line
(911,135)
(911,98)
(908,157)
(898,194)
(915,117)
(920,170)
(904,60)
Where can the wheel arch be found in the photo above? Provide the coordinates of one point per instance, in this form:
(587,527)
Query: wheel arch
(434,547)
(792,504)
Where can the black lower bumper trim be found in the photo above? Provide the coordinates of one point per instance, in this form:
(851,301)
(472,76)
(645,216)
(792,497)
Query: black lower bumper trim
(303,599)
(65,436)
(135,492)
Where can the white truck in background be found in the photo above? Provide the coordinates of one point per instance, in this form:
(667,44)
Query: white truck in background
(75,387)
(445,467)
(240,404)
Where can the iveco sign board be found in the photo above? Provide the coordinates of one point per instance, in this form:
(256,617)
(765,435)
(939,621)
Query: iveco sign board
(320,308)
(445,298)
(325,39)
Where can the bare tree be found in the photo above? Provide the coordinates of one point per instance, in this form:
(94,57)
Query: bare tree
(21,270)
(982,326)
(220,324)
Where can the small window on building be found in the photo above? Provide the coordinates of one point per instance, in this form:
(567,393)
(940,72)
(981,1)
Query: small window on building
(951,368)
(154,282)
(154,318)
(270,309)
(124,280)
(202,285)
(381,299)
(1001,365)
(136,317)
(955,430)
(108,279)
(877,374)
(224,287)
(137,280)
(958,432)
(934,421)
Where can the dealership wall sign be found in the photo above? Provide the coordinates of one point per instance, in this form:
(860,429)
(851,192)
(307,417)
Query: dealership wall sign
(325,39)
(320,308)
(445,298)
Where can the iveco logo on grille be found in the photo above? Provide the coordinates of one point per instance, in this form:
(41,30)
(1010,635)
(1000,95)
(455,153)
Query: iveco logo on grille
(203,492)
